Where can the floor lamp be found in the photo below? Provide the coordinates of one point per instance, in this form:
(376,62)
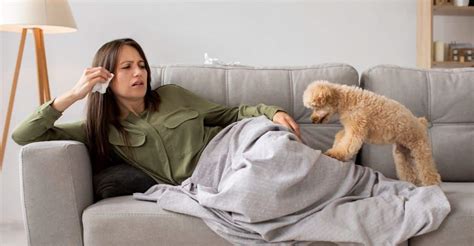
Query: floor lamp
(45,16)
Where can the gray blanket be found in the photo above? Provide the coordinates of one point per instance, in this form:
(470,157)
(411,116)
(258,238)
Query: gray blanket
(256,184)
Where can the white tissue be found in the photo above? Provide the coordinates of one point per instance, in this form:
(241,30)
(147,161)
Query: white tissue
(102,87)
(214,61)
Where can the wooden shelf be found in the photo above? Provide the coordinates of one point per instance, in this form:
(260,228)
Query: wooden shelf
(425,10)
(453,10)
(451,64)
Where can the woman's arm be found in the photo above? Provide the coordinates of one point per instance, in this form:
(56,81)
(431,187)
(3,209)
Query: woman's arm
(215,114)
(39,126)
(273,113)
(219,115)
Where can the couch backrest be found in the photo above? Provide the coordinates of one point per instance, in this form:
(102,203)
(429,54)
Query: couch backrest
(281,86)
(446,98)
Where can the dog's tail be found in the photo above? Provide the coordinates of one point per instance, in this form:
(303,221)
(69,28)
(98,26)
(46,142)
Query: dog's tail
(423,121)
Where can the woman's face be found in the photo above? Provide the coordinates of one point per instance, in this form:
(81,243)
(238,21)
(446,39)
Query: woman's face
(130,80)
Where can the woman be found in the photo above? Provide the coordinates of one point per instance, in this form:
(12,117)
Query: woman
(161,132)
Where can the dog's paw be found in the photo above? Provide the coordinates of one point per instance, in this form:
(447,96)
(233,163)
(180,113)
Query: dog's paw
(314,119)
(336,155)
(320,116)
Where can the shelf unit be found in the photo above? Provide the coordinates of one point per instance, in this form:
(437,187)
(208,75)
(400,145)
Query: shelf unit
(424,33)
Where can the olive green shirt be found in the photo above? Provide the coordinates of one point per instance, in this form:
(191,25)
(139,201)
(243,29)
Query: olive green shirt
(165,144)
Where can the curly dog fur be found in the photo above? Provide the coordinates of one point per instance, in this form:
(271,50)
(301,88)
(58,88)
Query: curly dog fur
(371,118)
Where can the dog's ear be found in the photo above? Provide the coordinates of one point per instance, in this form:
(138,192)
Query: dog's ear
(323,96)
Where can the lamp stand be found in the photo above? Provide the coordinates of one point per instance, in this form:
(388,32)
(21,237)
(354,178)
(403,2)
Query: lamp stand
(43,83)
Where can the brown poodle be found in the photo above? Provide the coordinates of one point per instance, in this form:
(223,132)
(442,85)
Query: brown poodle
(371,118)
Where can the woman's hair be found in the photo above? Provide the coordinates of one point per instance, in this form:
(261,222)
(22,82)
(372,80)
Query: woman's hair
(103,110)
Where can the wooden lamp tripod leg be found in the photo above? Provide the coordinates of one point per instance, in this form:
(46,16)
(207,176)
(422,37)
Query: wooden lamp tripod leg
(3,144)
(43,82)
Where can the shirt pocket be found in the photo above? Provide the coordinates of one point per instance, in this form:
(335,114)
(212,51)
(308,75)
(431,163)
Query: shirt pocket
(179,117)
(135,138)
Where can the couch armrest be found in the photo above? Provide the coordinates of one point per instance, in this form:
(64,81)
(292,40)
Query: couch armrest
(56,186)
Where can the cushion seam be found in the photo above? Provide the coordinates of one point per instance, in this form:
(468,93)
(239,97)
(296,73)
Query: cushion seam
(162,76)
(226,84)
(163,72)
(428,87)
(430,119)
(292,100)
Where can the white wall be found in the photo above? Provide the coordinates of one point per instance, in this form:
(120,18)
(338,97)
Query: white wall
(2,120)
(362,33)
(453,28)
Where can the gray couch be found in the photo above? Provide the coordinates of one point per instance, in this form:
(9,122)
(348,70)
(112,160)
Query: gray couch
(56,176)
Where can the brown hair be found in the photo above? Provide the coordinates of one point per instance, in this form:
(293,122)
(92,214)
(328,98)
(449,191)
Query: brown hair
(103,109)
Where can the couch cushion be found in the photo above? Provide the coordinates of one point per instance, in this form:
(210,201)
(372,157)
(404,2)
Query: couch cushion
(280,86)
(446,98)
(125,221)
(457,228)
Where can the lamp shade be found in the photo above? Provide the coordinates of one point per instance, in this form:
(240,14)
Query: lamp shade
(52,16)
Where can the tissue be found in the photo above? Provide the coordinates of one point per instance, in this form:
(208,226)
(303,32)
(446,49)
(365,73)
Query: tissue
(102,87)
(214,61)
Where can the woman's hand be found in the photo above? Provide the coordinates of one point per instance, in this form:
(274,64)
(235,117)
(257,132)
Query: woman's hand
(89,78)
(286,120)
